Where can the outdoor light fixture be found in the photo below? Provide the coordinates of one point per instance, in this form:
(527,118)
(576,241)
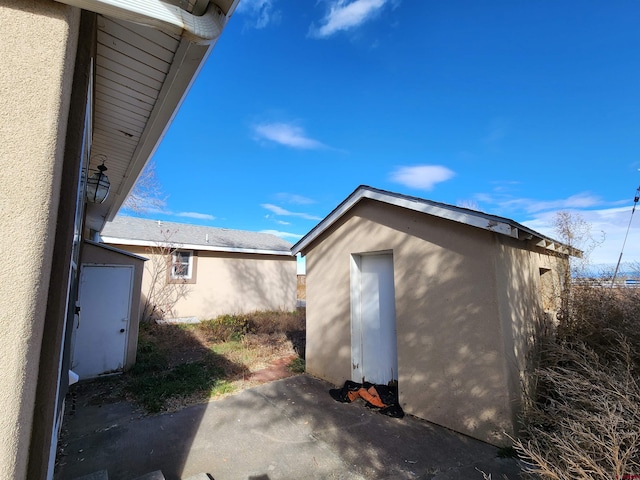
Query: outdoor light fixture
(98,184)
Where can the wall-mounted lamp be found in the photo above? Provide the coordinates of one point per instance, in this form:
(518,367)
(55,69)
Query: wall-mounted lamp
(98,184)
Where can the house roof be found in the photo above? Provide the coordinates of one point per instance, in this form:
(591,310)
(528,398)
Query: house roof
(115,250)
(473,218)
(143,70)
(144,232)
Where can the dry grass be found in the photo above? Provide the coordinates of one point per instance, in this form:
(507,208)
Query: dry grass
(585,419)
(219,357)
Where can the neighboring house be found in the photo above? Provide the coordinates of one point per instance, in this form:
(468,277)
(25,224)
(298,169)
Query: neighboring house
(444,300)
(82,81)
(218,271)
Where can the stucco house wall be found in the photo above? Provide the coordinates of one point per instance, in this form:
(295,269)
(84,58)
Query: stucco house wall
(466,303)
(48,53)
(227,283)
(528,307)
(38,52)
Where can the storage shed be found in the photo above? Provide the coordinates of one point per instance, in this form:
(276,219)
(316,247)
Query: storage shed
(443,300)
(105,328)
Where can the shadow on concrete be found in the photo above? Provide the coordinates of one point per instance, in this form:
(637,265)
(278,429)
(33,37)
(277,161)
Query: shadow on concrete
(101,411)
(287,429)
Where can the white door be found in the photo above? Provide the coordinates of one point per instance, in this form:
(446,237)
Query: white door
(373,319)
(103,324)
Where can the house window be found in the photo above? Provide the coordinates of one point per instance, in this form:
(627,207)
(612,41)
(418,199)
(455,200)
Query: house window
(181,265)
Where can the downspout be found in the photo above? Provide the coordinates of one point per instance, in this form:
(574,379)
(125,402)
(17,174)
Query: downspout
(163,16)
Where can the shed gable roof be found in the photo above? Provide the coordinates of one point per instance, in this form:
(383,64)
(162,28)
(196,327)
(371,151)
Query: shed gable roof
(125,230)
(473,218)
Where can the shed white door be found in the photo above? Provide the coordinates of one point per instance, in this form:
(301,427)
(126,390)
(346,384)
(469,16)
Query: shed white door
(373,319)
(103,324)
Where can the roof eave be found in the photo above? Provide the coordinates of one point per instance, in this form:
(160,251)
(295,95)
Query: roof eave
(184,68)
(114,249)
(481,220)
(187,63)
(193,246)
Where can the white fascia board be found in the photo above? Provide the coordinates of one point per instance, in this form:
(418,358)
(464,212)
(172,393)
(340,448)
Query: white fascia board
(326,223)
(475,220)
(114,249)
(193,246)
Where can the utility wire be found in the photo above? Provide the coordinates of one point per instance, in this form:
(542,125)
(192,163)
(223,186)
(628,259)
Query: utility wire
(635,202)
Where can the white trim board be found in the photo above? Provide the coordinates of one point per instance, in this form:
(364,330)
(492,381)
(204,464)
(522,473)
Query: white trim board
(473,218)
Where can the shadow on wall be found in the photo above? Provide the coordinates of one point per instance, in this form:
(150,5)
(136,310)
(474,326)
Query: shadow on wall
(454,352)
(528,326)
(260,281)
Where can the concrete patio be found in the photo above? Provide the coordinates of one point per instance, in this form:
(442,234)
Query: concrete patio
(287,429)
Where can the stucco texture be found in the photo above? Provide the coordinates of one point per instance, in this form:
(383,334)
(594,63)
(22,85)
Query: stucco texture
(227,283)
(38,52)
(464,302)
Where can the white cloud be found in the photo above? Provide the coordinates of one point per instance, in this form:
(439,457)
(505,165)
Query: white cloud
(506,202)
(260,13)
(611,223)
(581,200)
(171,213)
(199,216)
(286,134)
(498,129)
(345,15)
(423,177)
(608,224)
(286,213)
(294,198)
(280,234)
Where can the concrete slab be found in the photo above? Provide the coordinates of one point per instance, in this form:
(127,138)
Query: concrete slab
(157,475)
(101,475)
(284,430)
(199,476)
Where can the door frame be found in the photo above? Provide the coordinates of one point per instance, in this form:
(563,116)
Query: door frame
(78,320)
(357,354)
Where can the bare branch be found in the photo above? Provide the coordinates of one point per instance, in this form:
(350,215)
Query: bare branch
(147,192)
(163,292)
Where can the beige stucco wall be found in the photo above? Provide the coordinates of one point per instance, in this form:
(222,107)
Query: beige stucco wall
(525,317)
(38,52)
(95,255)
(453,326)
(229,283)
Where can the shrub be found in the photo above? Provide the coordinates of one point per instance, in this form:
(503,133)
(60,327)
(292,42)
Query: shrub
(277,321)
(235,327)
(583,421)
(600,317)
(297,365)
(225,328)
(154,390)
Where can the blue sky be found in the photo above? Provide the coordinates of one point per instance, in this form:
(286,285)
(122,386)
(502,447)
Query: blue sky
(517,108)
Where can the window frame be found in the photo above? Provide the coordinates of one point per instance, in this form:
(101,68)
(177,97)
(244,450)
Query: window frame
(190,265)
